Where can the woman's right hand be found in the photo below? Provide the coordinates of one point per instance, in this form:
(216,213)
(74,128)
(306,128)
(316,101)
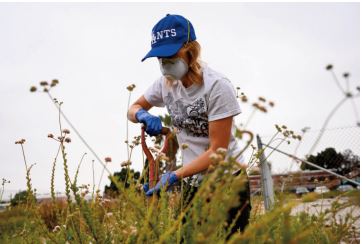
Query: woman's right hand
(153,123)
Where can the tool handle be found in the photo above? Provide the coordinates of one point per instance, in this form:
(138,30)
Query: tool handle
(152,163)
(165,131)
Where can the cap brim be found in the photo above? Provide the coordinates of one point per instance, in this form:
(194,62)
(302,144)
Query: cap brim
(163,51)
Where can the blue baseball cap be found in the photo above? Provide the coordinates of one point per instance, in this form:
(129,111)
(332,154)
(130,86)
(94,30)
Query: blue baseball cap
(168,36)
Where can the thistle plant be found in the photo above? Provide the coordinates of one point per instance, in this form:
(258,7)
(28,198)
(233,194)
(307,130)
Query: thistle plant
(347,95)
(130,217)
(286,136)
(29,189)
(130,88)
(74,185)
(52,188)
(3,182)
(261,105)
(106,160)
(46,87)
(61,139)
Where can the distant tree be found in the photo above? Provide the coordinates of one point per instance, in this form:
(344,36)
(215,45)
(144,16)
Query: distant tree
(343,163)
(351,162)
(125,177)
(19,198)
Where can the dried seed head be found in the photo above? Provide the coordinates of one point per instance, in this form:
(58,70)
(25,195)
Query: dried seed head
(284,127)
(66,131)
(56,228)
(108,159)
(33,89)
(244,99)
(329,67)
(45,89)
(131,87)
(44,83)
(126,163)
(184,146)
(21,141)
(221,151)
(299,137)
(67,140)
(346,75)
(211,167)
(263,109)
(262,99)
(271,104)
(237,88)
(216,158)
(50,135)
(278,128)
(54,82)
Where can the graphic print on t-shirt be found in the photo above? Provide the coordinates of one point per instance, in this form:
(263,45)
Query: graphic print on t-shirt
(191,117)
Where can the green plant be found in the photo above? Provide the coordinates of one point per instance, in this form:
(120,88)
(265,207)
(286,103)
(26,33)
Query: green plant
(130,217)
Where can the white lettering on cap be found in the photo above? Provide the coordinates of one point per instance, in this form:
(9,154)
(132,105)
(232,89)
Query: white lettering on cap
(163,34)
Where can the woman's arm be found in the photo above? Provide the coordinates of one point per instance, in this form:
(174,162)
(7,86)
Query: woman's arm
(140,103)
(219,135)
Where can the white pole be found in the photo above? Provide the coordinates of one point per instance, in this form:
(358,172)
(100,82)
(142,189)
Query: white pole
(266,179)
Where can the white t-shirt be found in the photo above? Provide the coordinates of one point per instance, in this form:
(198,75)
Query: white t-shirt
(193,107)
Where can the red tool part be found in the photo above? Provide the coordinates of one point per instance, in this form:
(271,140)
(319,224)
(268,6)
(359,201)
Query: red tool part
(153,164)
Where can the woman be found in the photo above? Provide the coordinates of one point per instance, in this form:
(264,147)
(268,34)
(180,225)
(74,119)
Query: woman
(200,101)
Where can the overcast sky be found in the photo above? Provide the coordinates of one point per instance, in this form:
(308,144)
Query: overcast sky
(278,51)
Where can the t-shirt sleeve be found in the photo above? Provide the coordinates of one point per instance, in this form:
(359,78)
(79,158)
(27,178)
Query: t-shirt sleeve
(222,101)
(153,94)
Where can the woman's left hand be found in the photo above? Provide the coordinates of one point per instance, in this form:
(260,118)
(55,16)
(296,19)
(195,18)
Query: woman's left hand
(167,179)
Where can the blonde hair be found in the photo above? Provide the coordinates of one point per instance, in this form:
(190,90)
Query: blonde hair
(192,50)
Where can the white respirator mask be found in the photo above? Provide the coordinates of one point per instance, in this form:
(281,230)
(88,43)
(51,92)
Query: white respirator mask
(173,69)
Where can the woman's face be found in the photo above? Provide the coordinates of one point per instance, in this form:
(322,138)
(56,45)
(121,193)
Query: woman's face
(176,66)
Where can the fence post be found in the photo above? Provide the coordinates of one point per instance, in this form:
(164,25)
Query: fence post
(266,178)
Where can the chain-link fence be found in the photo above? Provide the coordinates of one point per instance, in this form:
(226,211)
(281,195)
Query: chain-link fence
(337,149)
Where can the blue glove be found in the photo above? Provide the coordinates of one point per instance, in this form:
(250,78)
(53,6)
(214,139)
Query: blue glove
(167,179)
(146,187)
(153,123)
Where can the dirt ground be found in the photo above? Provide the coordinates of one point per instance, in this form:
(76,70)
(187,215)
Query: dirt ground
(321,205)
